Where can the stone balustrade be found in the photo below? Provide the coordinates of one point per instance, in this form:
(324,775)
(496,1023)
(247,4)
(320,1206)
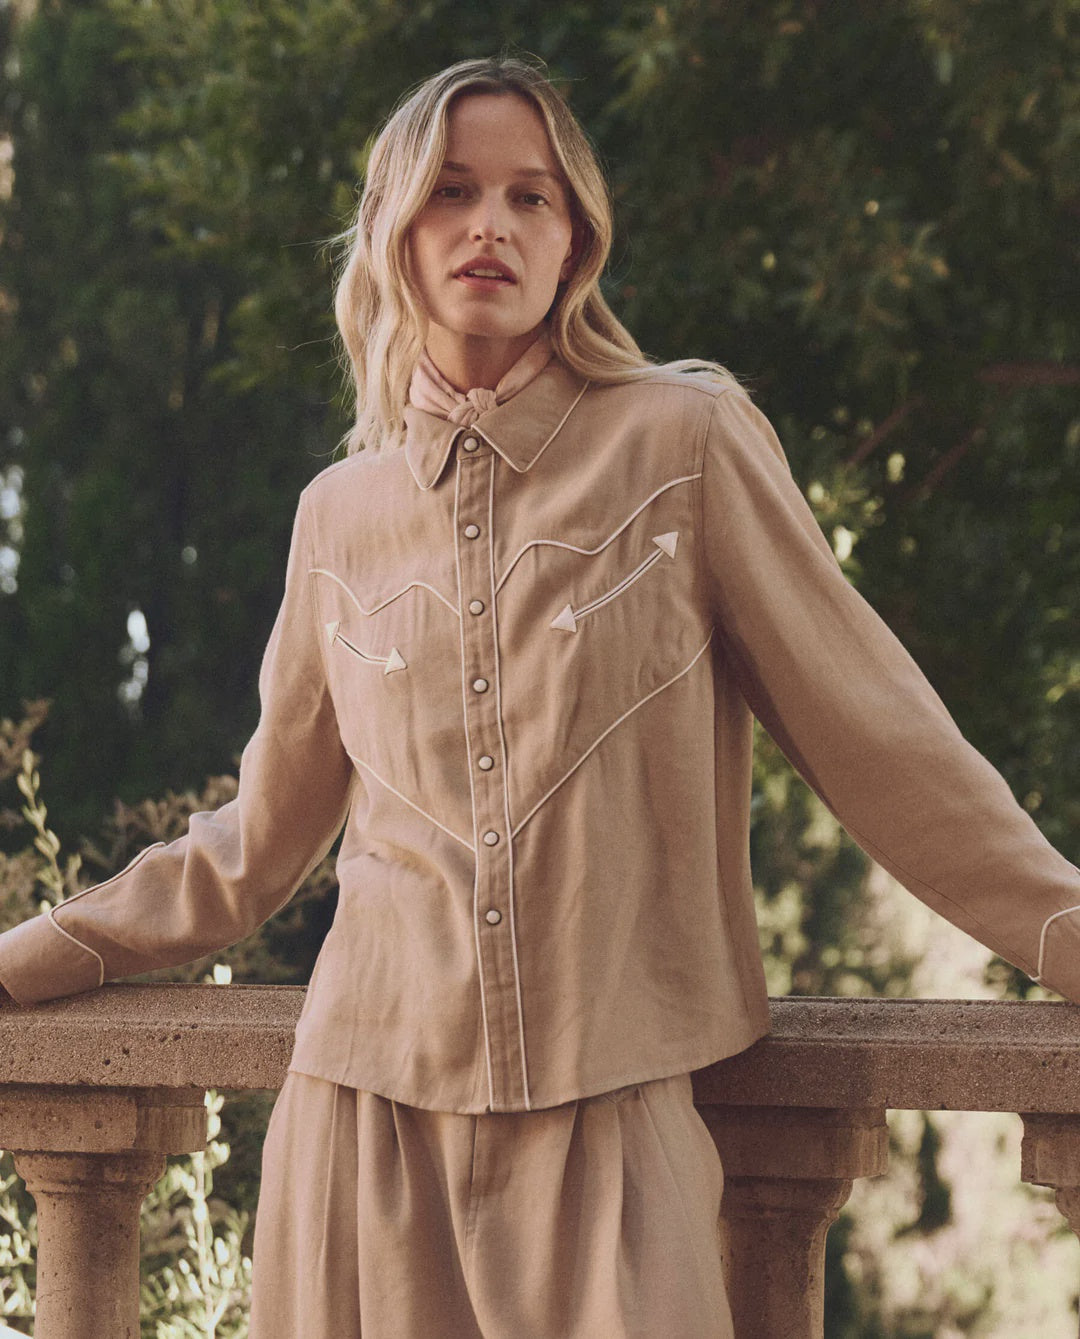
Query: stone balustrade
(96,1089)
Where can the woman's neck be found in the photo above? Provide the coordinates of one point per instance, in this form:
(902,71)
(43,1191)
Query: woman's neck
(471,361)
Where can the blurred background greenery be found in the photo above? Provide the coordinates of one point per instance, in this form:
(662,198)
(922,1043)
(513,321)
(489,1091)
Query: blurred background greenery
(871,212)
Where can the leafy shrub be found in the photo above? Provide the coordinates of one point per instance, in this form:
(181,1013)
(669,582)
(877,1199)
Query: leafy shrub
(195,1244)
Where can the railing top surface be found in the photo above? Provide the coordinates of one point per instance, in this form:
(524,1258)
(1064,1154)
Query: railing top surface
(978,1055)
(961,1055)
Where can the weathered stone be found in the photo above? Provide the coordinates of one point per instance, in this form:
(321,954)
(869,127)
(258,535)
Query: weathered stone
(88,1240)
(787,1174)
(97,1088)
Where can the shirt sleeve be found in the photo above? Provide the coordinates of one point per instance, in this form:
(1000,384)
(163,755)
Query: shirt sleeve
(854,714)
(235,867)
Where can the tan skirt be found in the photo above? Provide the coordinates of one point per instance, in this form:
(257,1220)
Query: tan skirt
(596,1219)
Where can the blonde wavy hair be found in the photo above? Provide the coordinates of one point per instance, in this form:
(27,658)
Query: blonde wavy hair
(381,319)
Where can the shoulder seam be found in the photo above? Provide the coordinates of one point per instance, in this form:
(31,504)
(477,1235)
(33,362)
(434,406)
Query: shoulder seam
(713,390)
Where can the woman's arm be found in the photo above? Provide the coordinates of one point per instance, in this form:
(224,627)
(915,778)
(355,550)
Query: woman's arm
(234,867)
(857,718)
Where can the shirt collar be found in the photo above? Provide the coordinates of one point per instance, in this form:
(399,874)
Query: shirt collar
(518,429)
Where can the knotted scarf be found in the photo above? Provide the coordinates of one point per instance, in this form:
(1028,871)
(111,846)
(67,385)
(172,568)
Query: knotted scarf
(430,390)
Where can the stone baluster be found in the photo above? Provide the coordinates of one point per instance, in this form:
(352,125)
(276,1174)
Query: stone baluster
(88,1157)
(1050,1156)
(787,1174)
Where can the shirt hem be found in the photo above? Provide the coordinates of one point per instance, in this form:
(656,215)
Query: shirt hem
(661,1068)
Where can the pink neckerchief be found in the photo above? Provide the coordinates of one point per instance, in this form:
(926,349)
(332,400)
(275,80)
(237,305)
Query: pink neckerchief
(430,390)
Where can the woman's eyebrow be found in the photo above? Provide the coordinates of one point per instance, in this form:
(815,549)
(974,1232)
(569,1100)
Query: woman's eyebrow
(534,172)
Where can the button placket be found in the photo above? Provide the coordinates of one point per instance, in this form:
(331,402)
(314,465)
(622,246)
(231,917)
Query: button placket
(493,889)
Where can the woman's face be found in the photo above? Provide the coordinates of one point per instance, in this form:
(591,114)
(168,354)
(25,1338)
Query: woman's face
(500,194)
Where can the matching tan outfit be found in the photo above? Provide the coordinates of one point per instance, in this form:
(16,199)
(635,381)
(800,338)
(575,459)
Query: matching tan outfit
(518,661)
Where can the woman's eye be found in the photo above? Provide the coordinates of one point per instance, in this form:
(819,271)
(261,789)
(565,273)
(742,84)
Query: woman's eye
(447,192)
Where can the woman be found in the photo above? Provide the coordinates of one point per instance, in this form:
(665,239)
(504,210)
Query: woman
(521,639)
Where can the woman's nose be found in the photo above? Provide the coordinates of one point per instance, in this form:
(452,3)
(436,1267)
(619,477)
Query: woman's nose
(488,221)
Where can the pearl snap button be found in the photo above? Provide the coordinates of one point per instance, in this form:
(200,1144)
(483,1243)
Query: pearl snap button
(491,839)
(493,917)
(476,606)
(479,685)
(470,444)
(485,762)
(472,531)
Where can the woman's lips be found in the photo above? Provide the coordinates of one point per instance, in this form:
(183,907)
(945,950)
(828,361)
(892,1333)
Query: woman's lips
(484,285)
(485,267)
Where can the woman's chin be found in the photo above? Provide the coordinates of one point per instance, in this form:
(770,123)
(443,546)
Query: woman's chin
(480,329)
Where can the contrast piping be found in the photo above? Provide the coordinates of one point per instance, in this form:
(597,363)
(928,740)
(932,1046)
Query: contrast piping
(1042,939)
(506,786)
(555,431)
(629,580)
(567,620)
(394,661)
(522,469)
(325,572)
(101,965)
(93,889)
(574,548)
(112,878)
(543,799)
(436,473)
(423,812)
(472,794)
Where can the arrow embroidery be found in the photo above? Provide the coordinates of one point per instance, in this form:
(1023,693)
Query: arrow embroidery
(567,618)
(394,661)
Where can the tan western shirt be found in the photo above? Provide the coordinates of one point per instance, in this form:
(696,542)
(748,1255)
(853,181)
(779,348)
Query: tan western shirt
(518,662)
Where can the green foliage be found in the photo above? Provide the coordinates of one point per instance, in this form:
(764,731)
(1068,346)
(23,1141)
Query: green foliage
(809,885)
(197,1281)
(874,214)
(869,211)
(18,1244)
(46,842)
(195,1244)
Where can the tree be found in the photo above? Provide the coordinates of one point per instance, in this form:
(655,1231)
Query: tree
(868,212)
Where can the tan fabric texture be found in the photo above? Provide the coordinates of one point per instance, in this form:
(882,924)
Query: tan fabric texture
(429,389)
(593,1220)
(517,660)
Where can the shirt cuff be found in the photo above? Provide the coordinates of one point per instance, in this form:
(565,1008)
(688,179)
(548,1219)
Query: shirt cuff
(1059,954)
(39,961)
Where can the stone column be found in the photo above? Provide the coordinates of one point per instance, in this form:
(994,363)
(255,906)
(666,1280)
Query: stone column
(88,1156)
(787,1173)
(1050,1156)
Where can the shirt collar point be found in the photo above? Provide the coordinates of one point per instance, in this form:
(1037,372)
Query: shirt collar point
(518,429)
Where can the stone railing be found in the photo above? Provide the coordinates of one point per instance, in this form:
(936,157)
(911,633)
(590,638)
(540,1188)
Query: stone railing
(96,1089)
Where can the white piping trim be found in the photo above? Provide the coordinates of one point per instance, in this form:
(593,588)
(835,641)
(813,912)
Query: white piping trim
(574,548)
(57,926)
(506,788)
(472,794)
(394,661)
(1042,939)
(628,580)
(423,812)
(555,431)
(629,712)
(638,571)
(325,572)
(112,878)
(93,889)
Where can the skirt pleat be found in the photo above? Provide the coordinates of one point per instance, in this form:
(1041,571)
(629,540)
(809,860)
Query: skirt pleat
(597,1219)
